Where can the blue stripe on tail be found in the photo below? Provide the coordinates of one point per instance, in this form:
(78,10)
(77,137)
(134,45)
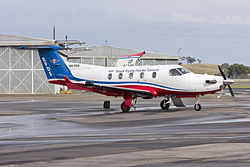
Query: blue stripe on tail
(53,64)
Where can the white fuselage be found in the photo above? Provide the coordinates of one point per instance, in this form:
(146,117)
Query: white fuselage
(121,76)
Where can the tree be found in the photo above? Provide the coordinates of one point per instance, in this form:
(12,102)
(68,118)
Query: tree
(225,67)
(238,70)
(199,61)
(190,60)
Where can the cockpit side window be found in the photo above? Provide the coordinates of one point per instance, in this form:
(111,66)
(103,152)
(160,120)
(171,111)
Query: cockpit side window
(183,70)
(174,72)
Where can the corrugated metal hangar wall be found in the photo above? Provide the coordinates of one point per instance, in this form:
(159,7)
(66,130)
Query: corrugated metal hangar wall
(21,71)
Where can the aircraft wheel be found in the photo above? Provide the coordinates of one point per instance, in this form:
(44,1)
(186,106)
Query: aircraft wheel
(106,104)
(165,104)
(124,107)
(197,107)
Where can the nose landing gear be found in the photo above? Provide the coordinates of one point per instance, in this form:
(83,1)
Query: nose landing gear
(197,105)
(165,104)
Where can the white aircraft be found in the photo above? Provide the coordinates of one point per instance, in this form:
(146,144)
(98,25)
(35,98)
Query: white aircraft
(172,82)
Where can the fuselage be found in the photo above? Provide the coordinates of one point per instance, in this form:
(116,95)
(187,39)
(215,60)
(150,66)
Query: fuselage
(162,78)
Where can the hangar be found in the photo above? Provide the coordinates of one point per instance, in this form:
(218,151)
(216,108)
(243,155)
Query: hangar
(21,71)
(108,56)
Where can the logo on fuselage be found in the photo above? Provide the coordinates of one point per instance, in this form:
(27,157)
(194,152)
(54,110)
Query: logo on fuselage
(130,61)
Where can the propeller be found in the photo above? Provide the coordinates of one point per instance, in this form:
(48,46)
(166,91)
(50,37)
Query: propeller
(226,82)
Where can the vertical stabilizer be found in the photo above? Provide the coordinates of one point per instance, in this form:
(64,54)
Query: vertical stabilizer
(53,64)
(129,60)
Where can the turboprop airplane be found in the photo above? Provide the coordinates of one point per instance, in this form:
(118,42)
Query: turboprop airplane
(172,82)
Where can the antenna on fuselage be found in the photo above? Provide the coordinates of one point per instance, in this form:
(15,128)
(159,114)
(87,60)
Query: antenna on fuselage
(54,32)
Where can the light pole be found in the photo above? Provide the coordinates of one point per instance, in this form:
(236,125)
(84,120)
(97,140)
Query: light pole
(179,51)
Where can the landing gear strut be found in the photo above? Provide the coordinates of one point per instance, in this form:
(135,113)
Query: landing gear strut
(165,104)
(197,105)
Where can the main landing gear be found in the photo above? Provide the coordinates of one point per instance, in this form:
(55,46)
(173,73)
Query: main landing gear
(127,104)
(197,105)
(165,104)
(124,107)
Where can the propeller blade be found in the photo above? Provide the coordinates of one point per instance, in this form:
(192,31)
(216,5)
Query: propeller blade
(222,73)
(231,90)
(220,94)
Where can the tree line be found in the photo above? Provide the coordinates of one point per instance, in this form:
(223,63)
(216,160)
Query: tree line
(236,70)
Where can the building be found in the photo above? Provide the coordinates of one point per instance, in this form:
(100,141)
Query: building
(108,56)
(21,71)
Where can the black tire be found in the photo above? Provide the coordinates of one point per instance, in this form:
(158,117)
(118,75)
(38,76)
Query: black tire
(164,104)
(106,104)
(197,107)
(124,107)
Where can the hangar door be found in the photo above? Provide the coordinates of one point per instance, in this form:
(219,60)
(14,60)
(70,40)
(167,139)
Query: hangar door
(21,72)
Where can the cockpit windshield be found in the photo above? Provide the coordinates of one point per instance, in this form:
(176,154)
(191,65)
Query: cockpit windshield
(183,70)
(174,72)
(178,71)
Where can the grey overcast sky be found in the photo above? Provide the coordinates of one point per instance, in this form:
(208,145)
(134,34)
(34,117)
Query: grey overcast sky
(216,31)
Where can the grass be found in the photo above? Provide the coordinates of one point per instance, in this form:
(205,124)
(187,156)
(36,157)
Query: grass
(203,68)
(241,83)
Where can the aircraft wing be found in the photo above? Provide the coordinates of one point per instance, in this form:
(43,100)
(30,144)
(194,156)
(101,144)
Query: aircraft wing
(108,90)
(129,60)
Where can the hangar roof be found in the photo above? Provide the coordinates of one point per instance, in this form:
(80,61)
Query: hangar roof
(12,40)
(112,52)
(93,51)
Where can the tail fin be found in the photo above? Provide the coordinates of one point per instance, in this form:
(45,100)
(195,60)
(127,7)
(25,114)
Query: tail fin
(129,60)
(53,64)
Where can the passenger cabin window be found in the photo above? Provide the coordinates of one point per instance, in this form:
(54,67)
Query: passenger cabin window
(154,74)
(183,70)
(130,75)
(120,76)
(110,76)
(141,75)
(174,72)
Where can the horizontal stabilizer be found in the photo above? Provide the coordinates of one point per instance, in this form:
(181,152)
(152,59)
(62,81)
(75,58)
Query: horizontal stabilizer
(52,47)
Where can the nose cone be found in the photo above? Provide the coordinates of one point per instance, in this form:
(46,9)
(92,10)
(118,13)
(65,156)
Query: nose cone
(213,82)
(228,81)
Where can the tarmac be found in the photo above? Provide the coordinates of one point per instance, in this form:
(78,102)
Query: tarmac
(74,130)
